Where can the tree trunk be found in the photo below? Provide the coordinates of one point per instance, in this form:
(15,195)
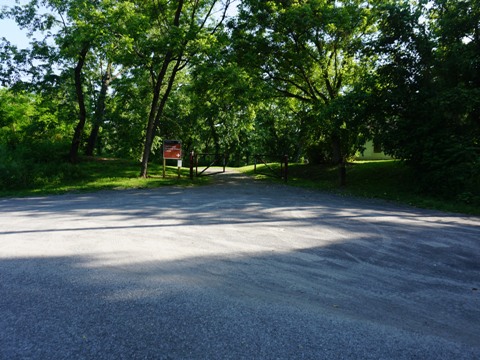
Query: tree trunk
(216,139)
(343,173)
(77,136)
(339,158)
(152,130)
(99,111)
(150,133)
(155,113)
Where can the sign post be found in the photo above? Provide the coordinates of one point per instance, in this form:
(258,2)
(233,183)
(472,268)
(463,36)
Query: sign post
(172,149)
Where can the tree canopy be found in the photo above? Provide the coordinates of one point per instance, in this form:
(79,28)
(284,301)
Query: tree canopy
(313,79)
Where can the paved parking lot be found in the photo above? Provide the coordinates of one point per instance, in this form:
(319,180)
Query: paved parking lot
(235,270)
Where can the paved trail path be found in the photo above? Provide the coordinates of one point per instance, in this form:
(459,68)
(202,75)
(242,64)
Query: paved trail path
(235,270)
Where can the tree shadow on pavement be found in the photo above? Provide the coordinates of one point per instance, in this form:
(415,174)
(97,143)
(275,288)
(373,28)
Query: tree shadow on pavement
(240,271)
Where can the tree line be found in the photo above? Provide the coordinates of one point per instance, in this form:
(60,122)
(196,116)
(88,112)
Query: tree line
(314,79)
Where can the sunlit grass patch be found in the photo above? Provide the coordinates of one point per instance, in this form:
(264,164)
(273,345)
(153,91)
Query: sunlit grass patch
(94,174)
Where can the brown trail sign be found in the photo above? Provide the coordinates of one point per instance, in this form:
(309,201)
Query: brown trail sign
(172,149)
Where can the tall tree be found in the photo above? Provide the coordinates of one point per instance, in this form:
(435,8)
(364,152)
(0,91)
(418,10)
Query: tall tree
(223,98)
(426,90)
(177,32)
(106,77)
(308,51)
(76,35)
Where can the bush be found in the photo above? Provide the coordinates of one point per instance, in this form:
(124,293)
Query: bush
(35,164)
(318,154)
(452,171)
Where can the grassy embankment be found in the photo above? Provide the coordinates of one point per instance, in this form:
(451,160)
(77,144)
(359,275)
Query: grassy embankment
(106,174)
(388,180)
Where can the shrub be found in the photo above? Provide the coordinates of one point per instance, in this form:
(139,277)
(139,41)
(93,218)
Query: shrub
(34,164)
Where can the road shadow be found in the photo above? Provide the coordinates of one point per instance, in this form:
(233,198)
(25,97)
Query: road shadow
(240,270)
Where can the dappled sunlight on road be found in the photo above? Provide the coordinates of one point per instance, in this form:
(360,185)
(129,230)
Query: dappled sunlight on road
(218,259)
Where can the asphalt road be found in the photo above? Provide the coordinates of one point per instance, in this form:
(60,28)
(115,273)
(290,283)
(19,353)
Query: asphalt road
(235,270)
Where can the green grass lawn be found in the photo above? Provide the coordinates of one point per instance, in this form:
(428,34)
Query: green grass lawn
(388,180)
(93,174)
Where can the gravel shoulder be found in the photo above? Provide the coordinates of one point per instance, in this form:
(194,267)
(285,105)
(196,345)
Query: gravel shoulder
(237,269)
